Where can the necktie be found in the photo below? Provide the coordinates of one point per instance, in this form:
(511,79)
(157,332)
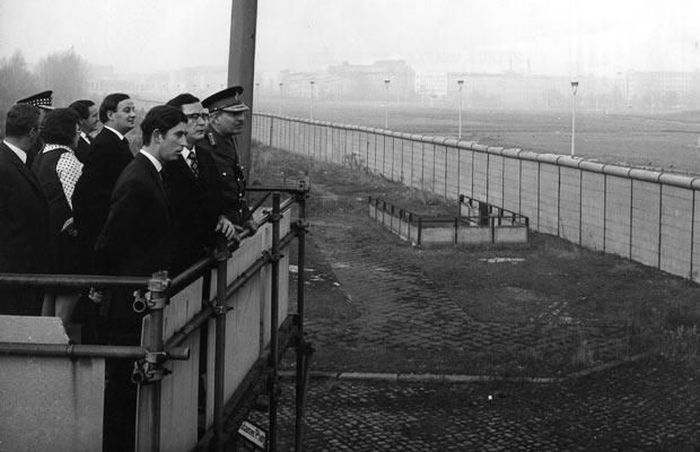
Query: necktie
(194,164)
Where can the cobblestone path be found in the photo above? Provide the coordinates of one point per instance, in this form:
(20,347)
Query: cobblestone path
(399,309)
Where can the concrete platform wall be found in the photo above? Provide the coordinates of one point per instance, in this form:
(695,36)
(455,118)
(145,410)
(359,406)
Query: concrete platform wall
(650,217)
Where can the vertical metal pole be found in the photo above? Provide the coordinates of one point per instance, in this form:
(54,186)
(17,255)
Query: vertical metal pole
(241,62)
(274,322)
(157,287)
(300,382)
(222,256)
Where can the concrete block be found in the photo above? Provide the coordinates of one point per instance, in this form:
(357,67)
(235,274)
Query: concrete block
(48,403)
(474,235)
(510,234)
(434,235)
(466,166)
(529,185)
(511,184)
(676,223)
(592,210)
(480,175)
(495,180)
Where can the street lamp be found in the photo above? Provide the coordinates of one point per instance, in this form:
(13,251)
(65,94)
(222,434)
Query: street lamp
(280,107)
(574,88)
(386,104)
(311,105)
(460,83)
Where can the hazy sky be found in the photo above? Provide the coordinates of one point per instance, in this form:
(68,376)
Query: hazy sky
(539,36)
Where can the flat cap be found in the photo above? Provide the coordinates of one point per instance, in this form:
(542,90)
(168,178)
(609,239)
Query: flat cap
(42,100)
(226,100)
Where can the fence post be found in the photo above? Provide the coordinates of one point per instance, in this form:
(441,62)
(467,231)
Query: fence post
(151,369)
(220,309)
(272,121)
(274,315)
(303,350)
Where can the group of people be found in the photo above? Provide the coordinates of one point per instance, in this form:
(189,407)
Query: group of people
(72,202)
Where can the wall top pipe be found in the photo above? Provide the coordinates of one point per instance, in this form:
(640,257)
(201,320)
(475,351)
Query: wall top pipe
(548,158)
(592,166)
(645,175)
(676,179)
(572,162)
(467,145)
(496,150)
(616,170)
(511,152)
(451,142)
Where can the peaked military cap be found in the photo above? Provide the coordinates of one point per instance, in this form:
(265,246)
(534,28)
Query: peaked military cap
(42,100)
(226,100)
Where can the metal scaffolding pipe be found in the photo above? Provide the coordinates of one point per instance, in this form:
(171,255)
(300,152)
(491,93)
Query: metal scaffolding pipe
(86,351)
(300,352)
(274,322)
(58,281)
(241,63)
(220,346)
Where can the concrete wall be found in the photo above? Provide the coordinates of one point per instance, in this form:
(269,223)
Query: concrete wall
(647,216)
(48,403)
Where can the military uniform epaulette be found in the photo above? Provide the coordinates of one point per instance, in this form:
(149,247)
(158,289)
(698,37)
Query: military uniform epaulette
(211,139)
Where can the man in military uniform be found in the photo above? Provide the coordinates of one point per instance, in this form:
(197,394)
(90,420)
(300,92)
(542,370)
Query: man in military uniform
(227,117)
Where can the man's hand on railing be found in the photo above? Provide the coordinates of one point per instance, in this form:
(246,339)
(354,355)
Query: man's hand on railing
(96,295)
(251,225)
(226,227)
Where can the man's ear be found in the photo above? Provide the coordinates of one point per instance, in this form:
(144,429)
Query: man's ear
(156,136)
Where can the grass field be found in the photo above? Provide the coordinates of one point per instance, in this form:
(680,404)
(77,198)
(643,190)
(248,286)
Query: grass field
(663,141)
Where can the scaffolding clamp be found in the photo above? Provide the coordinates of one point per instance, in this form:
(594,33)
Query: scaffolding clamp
(150,369)
(300,227)
(272,257)
(219,310)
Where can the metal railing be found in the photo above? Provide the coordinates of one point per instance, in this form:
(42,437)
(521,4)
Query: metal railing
(158,348)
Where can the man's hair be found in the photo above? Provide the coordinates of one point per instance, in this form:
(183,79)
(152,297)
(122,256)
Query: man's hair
(182,99)
(162,118)
(59,126)
(21,119)
(82,107)
(110,103)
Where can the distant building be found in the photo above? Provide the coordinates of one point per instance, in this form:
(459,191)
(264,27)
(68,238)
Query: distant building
(431,86)
(368,82)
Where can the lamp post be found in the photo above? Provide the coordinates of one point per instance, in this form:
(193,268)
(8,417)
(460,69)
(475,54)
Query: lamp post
(311,104)
(386,104)
(280,107)
(460,83)
(574,88)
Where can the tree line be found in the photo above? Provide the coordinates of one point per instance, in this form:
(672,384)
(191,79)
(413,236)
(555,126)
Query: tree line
(64,72)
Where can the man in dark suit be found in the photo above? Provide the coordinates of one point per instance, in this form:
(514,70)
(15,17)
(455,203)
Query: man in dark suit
(24,211)
(109,156)
(136,240)
(194,190)
(87,111)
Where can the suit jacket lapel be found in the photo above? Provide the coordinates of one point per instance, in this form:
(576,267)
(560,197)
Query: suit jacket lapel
(22,168)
